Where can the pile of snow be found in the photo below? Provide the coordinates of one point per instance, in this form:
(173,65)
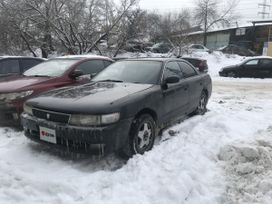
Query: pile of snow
(249,169)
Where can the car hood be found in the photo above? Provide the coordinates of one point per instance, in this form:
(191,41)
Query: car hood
(19,83)
(90,98)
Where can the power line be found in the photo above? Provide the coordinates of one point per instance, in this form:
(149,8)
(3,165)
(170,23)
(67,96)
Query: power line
(264,7)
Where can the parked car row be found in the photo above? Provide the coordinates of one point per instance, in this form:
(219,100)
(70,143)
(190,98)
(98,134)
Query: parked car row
(122,109)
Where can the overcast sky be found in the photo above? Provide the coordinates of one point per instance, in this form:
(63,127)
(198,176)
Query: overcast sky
(247,9)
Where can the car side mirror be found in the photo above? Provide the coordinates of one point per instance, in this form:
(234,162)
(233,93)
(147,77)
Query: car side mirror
(172,80)
(75,74)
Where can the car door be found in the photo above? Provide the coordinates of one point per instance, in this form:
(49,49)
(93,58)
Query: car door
(90,69)
(175,96)
(265,69)
(249,69)
(195,84)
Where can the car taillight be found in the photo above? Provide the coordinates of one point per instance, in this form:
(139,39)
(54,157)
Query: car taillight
(203,63)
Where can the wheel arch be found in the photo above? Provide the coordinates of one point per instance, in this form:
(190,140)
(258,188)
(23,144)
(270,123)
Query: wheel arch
(148,111)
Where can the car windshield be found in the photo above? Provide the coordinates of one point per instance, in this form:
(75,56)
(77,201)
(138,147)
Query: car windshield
(51,68)
(142,72)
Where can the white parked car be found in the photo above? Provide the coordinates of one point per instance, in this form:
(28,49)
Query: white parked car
(198,48)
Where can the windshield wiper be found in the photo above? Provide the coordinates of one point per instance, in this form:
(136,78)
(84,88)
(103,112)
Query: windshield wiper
(110,80)
(37,75)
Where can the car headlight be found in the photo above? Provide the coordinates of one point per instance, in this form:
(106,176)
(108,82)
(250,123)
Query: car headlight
(28,109)
(13,96)
(94,120)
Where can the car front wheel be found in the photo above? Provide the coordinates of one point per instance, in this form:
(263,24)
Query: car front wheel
(142,136)
(232,74)
(202,104)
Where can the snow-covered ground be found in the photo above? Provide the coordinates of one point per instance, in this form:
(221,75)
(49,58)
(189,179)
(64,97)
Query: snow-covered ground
(224,156)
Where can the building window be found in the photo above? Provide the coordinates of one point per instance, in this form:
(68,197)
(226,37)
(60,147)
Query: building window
(240,31)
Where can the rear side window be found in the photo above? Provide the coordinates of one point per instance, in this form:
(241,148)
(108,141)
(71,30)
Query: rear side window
(172,69)
(187,70)
(9,66)
(28,63)
(192,61)
(91,67)
(266,62)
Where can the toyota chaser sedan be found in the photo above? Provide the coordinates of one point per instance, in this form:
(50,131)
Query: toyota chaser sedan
(121,110)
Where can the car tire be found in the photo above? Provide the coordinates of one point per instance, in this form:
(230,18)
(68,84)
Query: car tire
(141,138)
(202,104)
(232,74)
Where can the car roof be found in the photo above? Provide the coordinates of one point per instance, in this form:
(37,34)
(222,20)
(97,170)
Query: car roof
(83,57)
(26,57)
(193,58)
(161,59)
(259,57)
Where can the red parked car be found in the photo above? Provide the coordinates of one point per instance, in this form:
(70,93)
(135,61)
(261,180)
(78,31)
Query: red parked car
(51,74)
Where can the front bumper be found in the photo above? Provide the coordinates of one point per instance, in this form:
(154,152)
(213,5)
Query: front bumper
(90,140)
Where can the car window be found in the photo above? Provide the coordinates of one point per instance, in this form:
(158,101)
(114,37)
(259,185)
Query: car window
(192,61)
(91,67)
(172,69)
(194,47)
(9,66)
(28,63)
(252,62)
(266,62)
(187,70)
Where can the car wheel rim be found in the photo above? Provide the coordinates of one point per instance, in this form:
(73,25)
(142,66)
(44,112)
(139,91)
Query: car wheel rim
(231,74)
(202,103)
(144,136)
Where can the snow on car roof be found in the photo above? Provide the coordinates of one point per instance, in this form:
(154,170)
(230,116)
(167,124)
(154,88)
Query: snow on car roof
(9,56)
(260,57)
(82,56)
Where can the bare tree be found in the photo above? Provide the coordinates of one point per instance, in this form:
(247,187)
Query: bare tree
(78,26)
(208,14)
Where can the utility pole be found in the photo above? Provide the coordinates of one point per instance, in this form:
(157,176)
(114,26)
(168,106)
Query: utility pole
(265,5)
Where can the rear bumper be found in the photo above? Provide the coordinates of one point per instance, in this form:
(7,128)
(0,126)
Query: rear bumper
(87,140)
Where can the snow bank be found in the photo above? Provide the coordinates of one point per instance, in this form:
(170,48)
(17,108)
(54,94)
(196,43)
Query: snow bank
(249,169)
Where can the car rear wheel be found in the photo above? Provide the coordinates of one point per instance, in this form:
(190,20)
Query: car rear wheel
(232,74)
(202,104)
(142,136)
